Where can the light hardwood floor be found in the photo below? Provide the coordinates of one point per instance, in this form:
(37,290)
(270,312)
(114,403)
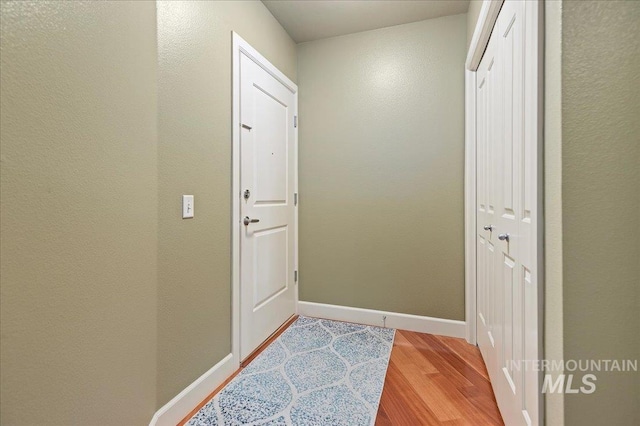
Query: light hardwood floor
(436,380)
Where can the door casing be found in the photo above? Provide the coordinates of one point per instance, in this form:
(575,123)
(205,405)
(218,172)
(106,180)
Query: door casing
(240,46)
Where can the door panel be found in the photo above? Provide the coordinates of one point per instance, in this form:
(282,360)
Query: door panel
(267,177)
(507,194)
(486,153)
(509,28)
(271,256)
(271,149)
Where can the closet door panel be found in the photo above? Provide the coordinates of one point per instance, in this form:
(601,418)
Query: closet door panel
(509,29)
(486,202)
(507,148)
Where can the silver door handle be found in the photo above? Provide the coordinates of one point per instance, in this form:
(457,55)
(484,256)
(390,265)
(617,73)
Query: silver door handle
(503,237)
(488,227)
(247,220)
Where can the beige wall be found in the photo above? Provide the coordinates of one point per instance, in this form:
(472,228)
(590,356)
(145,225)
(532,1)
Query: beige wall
(472,18)
(79,212)
(111,303)
(601,201)
(194,304)
(381,168)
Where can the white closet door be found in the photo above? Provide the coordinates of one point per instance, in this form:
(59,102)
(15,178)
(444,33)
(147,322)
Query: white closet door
(486,202)
(507,200)
(510,278)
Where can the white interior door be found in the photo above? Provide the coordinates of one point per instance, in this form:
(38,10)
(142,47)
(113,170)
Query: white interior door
(268,169)
(510,279)
(507,191)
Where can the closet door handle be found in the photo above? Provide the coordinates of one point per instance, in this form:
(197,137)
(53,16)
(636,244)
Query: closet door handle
(247,220)
(503,237)
(488,227)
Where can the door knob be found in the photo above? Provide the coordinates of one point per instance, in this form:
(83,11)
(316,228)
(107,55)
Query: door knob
(503,237)
(488,227)
(248,220)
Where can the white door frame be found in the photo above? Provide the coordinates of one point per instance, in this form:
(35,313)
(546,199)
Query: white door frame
(486,21)
(470,206)
(240,46)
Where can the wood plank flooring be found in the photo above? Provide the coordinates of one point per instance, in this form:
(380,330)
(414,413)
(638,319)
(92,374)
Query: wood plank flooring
(431,380)
(436,380)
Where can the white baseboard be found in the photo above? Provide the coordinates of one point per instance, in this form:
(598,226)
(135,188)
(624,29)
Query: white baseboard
(443,327)
(177,409)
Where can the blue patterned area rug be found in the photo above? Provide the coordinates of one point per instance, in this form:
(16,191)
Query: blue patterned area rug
(318,372)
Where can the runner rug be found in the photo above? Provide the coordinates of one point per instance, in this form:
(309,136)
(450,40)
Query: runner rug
(317,372)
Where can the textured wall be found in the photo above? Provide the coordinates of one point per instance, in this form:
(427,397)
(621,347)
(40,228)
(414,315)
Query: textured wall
(472,18)
(601,201)
(381,168)
(194,304)
(79,212)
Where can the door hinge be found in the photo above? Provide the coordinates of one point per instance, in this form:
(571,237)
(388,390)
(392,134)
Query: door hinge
(295,121)
(295,276)
(295,198)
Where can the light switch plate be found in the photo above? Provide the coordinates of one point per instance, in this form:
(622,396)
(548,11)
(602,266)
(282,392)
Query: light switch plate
(187,206)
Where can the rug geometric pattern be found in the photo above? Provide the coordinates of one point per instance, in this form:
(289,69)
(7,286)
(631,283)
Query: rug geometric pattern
(317,372)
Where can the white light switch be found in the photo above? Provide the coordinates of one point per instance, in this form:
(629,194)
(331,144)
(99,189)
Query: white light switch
(187,206)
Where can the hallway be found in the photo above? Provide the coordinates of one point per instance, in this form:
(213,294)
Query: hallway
(178,178)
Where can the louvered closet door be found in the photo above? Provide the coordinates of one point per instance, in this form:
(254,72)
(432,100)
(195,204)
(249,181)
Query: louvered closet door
(506,204)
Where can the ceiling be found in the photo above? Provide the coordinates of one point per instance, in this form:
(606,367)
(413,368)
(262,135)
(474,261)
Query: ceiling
(307,20)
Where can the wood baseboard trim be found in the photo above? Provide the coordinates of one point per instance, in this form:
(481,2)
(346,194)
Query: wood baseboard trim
(421,324)
(175,410)
(267,342)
